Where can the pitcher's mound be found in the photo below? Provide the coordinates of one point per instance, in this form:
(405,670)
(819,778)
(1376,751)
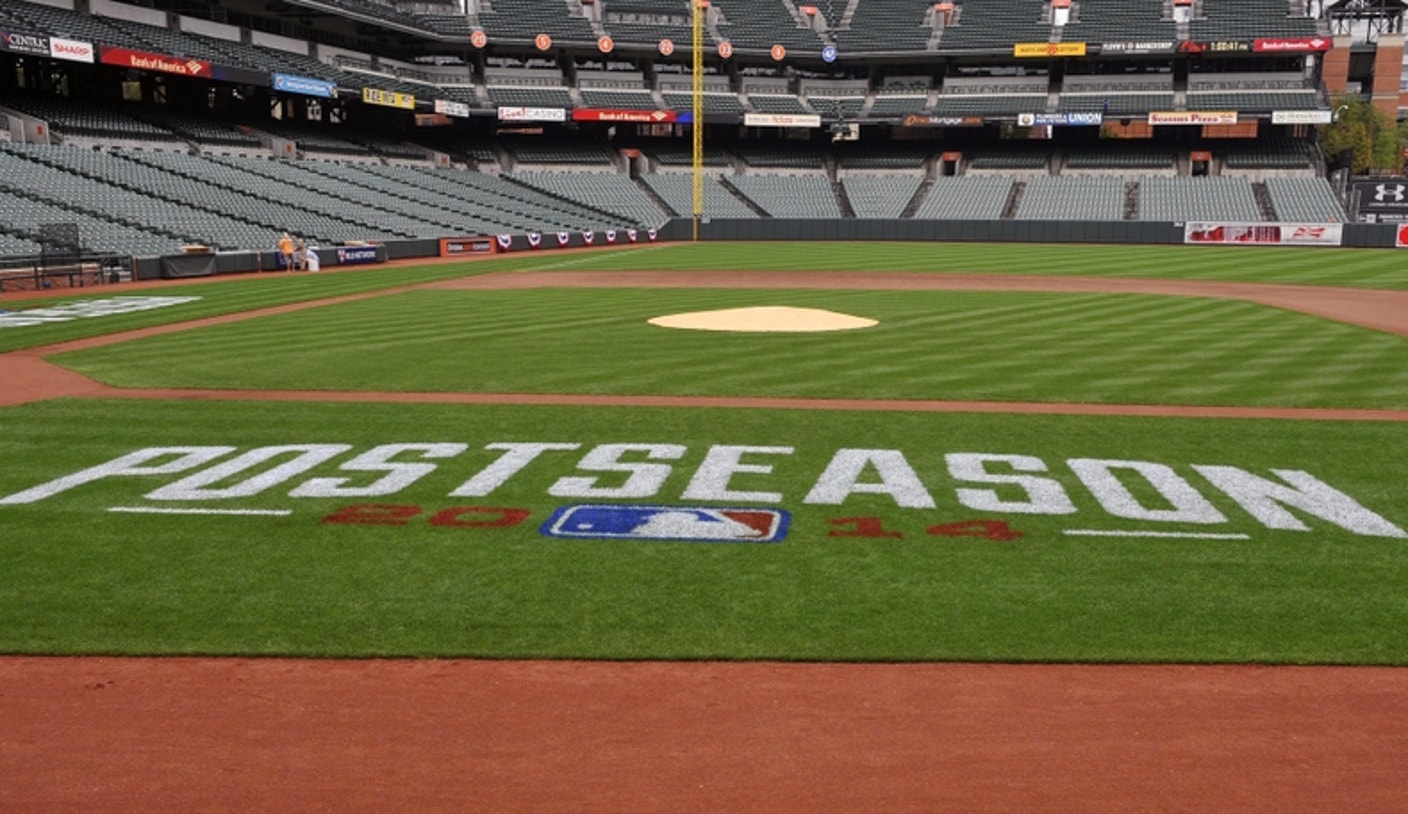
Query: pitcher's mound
(766,319)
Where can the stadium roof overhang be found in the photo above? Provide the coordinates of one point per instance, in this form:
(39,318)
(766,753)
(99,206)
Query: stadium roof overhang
(1365,9)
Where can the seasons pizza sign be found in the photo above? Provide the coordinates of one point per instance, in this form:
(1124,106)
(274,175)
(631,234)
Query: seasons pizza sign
(727,493)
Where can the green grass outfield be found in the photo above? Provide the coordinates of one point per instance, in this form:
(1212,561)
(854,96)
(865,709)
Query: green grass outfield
(1075,538)
(1112,348)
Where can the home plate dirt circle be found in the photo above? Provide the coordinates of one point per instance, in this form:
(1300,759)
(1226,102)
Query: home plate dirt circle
(765,319)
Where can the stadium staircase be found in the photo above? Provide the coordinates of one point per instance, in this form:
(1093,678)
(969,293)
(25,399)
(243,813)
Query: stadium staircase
(843,200)
(1131,200)
(1263,202)
(1014,199)
(748,202)
(918,200)
(655,198)
(606,213)
(849,14)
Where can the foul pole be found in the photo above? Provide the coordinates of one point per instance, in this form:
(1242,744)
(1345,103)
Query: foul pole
(698,124)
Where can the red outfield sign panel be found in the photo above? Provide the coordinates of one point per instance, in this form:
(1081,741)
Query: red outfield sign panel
(1292,44)
(145,61)
(592,114)
(1264,234)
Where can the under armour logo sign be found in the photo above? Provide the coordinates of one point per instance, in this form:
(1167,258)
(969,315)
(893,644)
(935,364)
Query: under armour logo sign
(1390,192)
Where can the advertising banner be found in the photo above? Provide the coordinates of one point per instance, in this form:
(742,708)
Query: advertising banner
(532,114)
(304,85)
(1383,201)
(592,114)
(454,246)
(781,120)
(1061,119)
(1301,117)
(1400,238)
(1294,45)
(1264,234)
(1048,49)
(387,98)
(146,61)
(20,43)
(357,255)
(1196,117)
(924,120)
(456,109)
(71,50)
(1157,47)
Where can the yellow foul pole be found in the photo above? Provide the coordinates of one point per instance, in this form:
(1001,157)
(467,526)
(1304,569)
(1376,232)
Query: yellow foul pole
(698,124)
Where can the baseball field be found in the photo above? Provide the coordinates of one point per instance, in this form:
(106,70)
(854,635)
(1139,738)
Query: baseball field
(1062,528)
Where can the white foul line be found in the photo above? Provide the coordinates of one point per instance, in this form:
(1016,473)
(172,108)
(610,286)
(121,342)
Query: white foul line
(1193,535)
(160,510)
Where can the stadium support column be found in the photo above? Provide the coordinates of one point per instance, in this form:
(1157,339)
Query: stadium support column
(1388,68)
(697,126)
(1334,66)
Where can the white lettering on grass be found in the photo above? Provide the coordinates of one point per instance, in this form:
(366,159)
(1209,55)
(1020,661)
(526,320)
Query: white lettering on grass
(1043,495)
(378,459)
(1188,506)
(1263,500)
(711,480)
(129,465)
(516,457)
(200,486)
(88,310)
(897,479)
(643,480)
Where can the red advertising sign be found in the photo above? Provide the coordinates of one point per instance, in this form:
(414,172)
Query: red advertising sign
(543,42)
(667,47)
(1292,44)
(479,39)
(725,49)
(451,246)
(592,114)
(145,61)
(779,53)
(1264,234)
(605,45)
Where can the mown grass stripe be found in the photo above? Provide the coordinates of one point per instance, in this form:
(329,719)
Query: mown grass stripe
(930,345)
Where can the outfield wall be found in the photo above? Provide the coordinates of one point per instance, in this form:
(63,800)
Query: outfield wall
(1356,235)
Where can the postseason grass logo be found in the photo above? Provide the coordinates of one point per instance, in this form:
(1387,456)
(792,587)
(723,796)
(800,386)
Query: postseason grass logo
(720,498)
(87,310)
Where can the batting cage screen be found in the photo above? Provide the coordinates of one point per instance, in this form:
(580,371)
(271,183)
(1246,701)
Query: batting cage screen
(59,244)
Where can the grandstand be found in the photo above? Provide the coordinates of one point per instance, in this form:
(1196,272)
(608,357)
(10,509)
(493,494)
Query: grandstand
(577,134)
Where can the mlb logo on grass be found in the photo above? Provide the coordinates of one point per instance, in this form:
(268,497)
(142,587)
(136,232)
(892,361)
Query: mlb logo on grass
(690,524)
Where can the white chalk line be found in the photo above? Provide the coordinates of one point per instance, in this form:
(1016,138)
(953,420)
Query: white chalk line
(167,510)
(1189,535)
